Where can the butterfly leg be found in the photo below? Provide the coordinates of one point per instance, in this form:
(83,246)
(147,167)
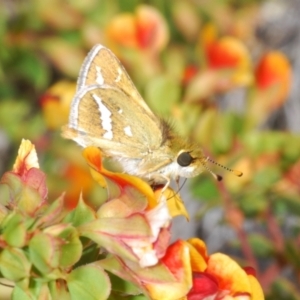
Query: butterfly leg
(167,181)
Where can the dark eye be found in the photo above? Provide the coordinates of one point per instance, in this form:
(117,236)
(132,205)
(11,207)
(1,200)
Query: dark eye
(184,159)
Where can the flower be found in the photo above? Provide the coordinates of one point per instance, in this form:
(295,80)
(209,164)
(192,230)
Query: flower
(56,103)
(145,30)
(273,80)
(274,70)
(169,279)
(132,205)
(217,276)
(227,54)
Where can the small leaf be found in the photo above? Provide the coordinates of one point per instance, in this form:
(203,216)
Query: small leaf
(205,189)
(53,214)
(136,227)
(71,250)
(5,195)
(89,282)
(24,196)
(45,252)
(19,293)
(162,87)
(3,209)
(261,245)
(122,286)
(59,290)
(81,214)
(14,264)
(37,290)
(14,232)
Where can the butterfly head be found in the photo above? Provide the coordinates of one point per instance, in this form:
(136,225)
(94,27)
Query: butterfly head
(190,163)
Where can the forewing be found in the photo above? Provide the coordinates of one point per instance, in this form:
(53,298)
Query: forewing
(102,67)
(105,116)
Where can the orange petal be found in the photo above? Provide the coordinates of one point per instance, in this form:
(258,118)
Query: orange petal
(230,53)
(230,275)
(152,31)
(177,260)
(198,254)
(274,69)
(94,159)
(123,30)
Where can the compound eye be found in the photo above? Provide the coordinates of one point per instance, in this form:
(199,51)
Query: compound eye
(184,159)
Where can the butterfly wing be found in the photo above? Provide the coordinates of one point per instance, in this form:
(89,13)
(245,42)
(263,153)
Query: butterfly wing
(108,112)
(105,117)
(102,67)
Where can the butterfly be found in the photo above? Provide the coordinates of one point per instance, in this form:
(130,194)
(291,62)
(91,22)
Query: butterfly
(108,112)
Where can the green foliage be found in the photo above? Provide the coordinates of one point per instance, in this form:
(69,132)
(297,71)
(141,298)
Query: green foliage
(43,42)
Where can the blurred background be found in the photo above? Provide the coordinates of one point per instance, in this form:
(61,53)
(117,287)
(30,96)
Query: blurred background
(226,72)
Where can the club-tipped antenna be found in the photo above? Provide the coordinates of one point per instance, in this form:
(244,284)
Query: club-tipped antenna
(235,172)
(216,176)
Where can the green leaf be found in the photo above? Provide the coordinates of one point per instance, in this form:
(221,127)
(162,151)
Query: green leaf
(19,293)
(222,138)
(206,189)
(59,291)
(14,232)
(26,197)
(4,194)
(262,246)
(45,251)
(253,202)
(267,176)
(14,264)
(123,287)
(162,93)
(37,291)
(81,214)
(292,253)
(32,69)
(284,289)
(71,250)
(53,214)
(135,225)
(89,282)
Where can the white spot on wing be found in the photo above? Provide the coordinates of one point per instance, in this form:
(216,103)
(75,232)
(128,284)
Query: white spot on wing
(99,79)
(105,117)
(127,130)
(119,75)
(120,111)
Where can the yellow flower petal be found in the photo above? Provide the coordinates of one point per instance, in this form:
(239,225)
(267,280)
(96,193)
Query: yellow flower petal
(256,290)
(27,157)
(198,254)
(100,174)
(175,204)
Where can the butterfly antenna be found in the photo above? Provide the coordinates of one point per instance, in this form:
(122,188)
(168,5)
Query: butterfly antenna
(216,176)
(235,172)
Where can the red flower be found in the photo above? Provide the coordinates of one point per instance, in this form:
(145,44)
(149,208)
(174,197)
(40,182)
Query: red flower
(145,30)
(218,277)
